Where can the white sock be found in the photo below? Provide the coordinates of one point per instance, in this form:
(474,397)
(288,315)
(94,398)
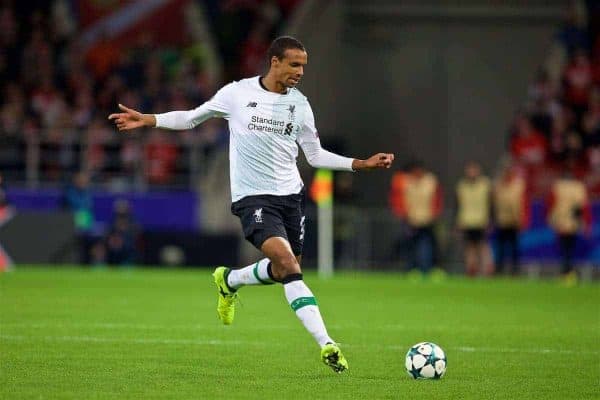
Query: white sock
(304,304)
(254,274)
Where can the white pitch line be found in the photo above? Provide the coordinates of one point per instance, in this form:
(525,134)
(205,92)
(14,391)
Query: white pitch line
(468,349)
(216,326)
(212,342)
(94,339)
(107,325)
(118,325)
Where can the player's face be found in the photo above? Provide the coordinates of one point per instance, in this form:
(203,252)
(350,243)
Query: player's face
(290,69)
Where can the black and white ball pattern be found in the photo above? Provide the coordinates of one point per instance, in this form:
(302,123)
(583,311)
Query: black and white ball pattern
(426,361)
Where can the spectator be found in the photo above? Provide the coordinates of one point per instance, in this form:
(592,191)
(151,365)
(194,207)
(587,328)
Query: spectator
(9,35)
(50,81)
(473,193)
(591,120)
(592,179)
(578,81)
(122,237)
(253,51)
(511,215)
(78,199)
(574,34)
(37,53)
(542,116)
(98,136)
(557,138)
(568,214)
(417,198)
(527,145)
(47,102)
(574,152)
(596,62)
(84,109)
(160,158)
(130,156)
(401,248)
(543,89)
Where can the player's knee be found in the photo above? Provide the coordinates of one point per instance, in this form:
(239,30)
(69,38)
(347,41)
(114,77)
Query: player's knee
(284,265)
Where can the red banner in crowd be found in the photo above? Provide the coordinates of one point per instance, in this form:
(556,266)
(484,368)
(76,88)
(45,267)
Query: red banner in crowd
(125,21)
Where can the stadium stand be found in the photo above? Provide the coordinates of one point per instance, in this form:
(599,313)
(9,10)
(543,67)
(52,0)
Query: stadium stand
(66,65)
(558,127)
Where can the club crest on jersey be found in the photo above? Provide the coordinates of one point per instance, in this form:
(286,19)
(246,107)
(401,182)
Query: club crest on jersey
(292,110)
(258,216)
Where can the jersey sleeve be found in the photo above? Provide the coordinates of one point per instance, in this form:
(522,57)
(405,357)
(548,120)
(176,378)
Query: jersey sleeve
(308,139)
(219,106)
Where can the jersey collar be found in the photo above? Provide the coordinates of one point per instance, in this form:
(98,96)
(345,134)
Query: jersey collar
(260,83)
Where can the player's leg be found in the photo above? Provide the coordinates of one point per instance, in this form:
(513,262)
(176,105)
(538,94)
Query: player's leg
(286,269)
(422,250)
(258,273)
(470,255)
(260,218)
(294,224)
(228,281)
(487,259)
(568,242)
(515,251)
(501,245)
(565,242)
(428,249)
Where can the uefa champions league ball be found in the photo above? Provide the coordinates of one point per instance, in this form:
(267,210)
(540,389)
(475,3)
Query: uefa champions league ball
(426,361)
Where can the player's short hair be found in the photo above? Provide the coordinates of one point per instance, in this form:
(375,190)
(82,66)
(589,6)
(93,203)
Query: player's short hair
(281,44)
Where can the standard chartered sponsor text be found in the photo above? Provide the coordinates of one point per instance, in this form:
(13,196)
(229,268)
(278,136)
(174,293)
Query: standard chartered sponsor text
(266,125)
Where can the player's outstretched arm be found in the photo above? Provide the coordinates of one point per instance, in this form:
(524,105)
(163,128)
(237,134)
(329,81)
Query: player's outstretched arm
(308,139)
(379,160)
(132,119)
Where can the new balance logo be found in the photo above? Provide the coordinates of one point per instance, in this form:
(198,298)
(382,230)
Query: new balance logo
(258,215)
(252,104)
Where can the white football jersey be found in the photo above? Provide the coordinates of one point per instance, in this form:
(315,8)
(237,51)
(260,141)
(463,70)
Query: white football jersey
(265,129)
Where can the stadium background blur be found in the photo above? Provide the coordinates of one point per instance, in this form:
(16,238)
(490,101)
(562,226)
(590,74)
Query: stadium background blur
(502,83)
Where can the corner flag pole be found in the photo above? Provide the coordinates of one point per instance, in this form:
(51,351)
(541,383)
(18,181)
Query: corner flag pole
(322,193)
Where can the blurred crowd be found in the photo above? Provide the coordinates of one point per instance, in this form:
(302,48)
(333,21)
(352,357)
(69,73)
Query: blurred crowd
(118,243)
(484,212)
(553,156)
(56,92)
(558,128)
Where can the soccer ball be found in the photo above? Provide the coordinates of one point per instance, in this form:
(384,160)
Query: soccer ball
(426,361)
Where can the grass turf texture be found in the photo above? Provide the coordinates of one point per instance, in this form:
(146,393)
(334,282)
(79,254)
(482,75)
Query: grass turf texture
(154,334)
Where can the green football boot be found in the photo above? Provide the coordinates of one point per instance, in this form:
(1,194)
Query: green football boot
(226,296)
(332,356)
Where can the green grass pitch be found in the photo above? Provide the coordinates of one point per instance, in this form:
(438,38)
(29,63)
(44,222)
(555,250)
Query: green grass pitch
(73,333)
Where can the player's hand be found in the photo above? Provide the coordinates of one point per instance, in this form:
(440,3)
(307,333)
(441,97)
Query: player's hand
(131,119)
(379,160)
